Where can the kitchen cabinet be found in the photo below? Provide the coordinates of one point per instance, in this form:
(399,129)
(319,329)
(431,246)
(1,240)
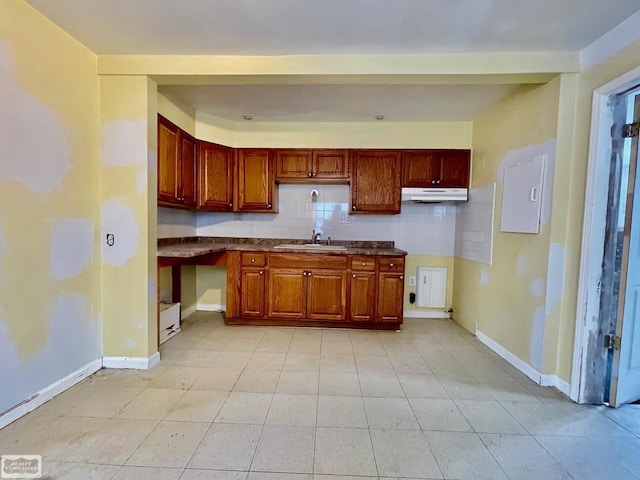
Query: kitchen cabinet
(376,178)
(307,287)
(312,166)
(252,285)
(215,177)
(436,168)
(390,289)
(362,293)
(176,166)
(254,188)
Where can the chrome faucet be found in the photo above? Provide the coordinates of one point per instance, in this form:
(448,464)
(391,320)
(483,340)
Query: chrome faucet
(315,237)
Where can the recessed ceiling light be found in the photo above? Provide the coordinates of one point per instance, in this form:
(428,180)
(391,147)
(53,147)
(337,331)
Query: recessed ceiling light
(379,117)
(247,117)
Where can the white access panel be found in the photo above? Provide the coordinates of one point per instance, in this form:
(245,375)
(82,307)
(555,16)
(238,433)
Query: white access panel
(522,196)
(432,287)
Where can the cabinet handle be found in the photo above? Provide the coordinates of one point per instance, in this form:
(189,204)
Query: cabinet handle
(268,205)
(310,174)
(363,264)
(401,277)
(354,275)
(309,273)
(438,182)
(304,274)
(391,265)
(433,182)
(230,205)
(313,174)
(261,272)
(353,207)
(253,260)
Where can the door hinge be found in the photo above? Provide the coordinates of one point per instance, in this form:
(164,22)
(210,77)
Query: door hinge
(631,130)
(611,342)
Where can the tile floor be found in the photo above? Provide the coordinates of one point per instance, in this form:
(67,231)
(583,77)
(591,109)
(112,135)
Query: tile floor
(251,403)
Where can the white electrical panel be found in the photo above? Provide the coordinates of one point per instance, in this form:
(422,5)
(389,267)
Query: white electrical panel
(522,196)
(432,287)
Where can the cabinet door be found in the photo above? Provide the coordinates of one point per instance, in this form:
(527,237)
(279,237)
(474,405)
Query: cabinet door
(421,168)
(455,167)
(167,161)
(327,294)
(390,293)
(287,293)
(252,295)
(330,165)
(376,181)
(187,180)
(293,164)
(362,297)
(215,172)
(255,181)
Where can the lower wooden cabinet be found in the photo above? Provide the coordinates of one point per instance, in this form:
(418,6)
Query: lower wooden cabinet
(315,289)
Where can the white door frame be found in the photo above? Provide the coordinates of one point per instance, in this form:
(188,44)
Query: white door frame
(594,224)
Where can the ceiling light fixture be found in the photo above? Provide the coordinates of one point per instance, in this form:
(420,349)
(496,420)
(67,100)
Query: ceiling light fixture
(379,117)
(247,117)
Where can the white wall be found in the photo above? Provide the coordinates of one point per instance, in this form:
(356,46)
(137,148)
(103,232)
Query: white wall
(173,222)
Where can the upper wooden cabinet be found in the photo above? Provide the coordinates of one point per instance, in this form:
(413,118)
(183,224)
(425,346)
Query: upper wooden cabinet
(255,181)
(215,177)
(376,177)
(436,168)
(187,152)
(176,166)
(312,166)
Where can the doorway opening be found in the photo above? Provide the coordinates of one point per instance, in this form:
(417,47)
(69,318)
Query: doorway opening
(606,366)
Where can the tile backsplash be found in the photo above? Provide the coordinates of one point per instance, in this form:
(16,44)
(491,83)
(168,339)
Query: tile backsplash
(420,229)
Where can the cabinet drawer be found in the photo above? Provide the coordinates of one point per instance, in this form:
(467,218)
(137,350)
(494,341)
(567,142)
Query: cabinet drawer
(253,259)
(311,260)
(363,263)
(391,264)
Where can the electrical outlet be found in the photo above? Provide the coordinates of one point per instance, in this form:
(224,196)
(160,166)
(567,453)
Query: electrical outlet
(111,239)
(345,217)
(412,280)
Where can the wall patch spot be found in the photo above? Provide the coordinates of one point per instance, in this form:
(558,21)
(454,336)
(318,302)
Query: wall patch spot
(118,218)
(124,143)
(555,275)
(537,337)
(33,140)
(484,277)
(72,243)
(536,287)
(523,265)
(2,248)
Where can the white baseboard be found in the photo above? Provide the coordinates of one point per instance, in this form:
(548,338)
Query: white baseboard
(211,307)
(49,392)
(185,312)
(541,379)
(418,314)
(136,363)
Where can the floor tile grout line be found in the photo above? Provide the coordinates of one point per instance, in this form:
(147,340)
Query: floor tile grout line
(553,457)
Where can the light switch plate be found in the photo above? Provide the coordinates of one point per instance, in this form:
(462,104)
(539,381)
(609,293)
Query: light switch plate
(345,217)
(412,280)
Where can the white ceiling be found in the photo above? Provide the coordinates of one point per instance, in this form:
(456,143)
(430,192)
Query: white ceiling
(278,27)
(286,27)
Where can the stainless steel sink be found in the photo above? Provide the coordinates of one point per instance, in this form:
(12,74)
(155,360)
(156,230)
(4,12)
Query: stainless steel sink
(311,246)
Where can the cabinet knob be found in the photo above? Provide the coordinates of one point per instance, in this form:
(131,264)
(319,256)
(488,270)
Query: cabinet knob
(253,260)
(309,273)
(353,207)
(438,182)
(433,182)
(304,274)
(230,205)
(363,264)
(391,264)
(261,272)
(401,277)
(310,174)
(313,174)
(268,205)
(354,275)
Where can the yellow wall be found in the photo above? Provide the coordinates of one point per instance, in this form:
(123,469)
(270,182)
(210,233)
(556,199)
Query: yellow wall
(506,300)
(50,260)
(128,123)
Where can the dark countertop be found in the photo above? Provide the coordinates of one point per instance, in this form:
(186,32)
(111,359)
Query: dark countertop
(188,247)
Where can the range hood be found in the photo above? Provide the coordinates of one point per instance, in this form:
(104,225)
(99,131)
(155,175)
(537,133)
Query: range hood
(435,195)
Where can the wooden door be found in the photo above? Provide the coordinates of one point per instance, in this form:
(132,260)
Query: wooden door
(327,295)
(215,172)
(252,292)
(421,168)
(390,296)
(455,168)
(188,162)
(376,181)
(330,165)
(293,164)
(167,161)
(255,181)
(287,293)
(362,297)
